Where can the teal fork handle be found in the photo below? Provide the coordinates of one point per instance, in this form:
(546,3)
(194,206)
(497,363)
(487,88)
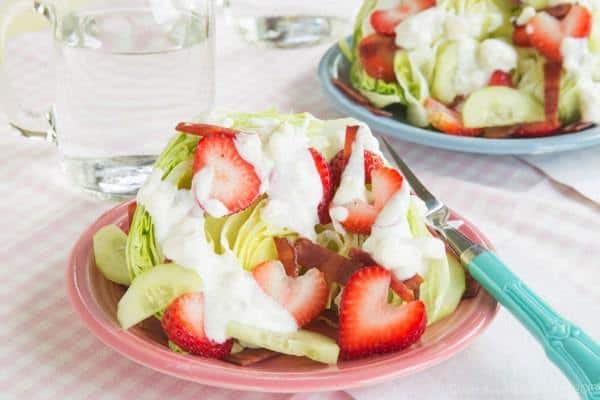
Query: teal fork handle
(569,348)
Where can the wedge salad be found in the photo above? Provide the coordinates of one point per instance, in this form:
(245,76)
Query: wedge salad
(266,233)
(491,68)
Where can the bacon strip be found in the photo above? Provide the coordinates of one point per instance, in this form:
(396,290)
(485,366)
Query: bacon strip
(335,267)
(192,128)
(287,255)
(559,11)
(130,213)
(248,357)
(471,286)
(576,127)
(551,92)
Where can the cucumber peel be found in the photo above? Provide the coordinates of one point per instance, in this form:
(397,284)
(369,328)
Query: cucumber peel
(153,290)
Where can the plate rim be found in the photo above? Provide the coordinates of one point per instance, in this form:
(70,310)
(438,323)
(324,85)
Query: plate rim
(213,373)
(403,131)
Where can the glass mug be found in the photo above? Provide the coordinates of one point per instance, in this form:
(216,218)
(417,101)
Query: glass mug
(126,72)
(291,23)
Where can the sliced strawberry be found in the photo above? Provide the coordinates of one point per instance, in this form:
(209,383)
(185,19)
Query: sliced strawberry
(545,34)
(376,53)
(447,120)
(384,22)
(183,323)
(286,253)
(501,78)
(386,182)
(578,22)
(235,182)
(520,37)
(326,183)
(369,324)
(337,165)
(304,296)
(192,128)
(551,92)
(361,217)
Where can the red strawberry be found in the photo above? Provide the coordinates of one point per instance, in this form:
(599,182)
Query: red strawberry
(361,215)
(447,120)
(545,34)
(235,182)
(183,324)
(203,129)
(369,324)
(304,296)
(339,161)
(376,53)
(501,78)
(520,37)
(385,21)
(578,22)
(326,182)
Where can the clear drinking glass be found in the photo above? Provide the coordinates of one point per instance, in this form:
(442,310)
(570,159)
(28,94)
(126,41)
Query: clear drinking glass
(126,72)
(291,23)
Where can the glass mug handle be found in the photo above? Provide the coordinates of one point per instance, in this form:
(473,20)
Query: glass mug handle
(27,122)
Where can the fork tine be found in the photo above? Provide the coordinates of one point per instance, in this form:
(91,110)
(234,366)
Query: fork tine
(419,189)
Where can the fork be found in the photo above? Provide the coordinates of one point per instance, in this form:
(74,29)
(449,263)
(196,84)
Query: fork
(566,345)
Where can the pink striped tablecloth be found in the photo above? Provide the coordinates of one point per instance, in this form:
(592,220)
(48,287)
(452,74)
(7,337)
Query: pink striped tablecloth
(546,232)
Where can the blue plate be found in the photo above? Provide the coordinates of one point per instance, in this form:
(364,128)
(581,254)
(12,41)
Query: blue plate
(334,64)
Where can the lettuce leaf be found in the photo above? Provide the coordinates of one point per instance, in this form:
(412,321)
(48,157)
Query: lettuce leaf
(414,85)
(142,250)
(444,280)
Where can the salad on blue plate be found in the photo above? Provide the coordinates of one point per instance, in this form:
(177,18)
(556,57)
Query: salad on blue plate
(489,68)
(256,231)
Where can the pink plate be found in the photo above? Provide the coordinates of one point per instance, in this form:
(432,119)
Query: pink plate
(95,300)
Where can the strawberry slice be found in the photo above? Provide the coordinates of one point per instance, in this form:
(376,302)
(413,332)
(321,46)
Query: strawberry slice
(361,216)
(376,53)
(501,78)
(192,128)
(369,324)
(235,182)
(183,323)
(520,37)
(578,22)
(304,296)
(384,22)
(447,120)
(326,183)
(547,32)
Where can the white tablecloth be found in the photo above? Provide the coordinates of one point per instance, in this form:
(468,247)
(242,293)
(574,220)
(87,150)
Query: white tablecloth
(548,234)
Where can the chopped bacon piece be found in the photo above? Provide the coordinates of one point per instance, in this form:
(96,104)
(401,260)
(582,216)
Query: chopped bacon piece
(248,357)
(335,267)
(471,287)
(204,129)
(287,255)
(130,213)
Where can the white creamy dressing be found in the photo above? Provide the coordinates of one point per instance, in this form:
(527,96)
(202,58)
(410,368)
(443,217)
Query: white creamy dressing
(201,186)
(585,66)
(230,292)
(295,188)
(392,244)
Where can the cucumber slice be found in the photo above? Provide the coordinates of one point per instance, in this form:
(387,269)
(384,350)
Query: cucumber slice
(153,290)
(300,343)
(109,251)
(443,80)
(499,106)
